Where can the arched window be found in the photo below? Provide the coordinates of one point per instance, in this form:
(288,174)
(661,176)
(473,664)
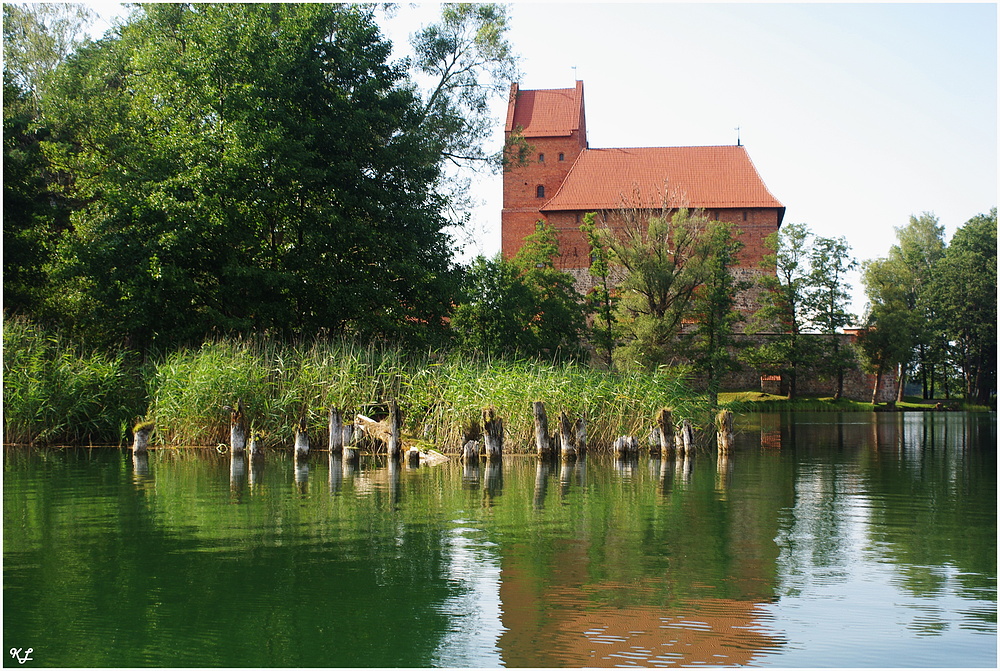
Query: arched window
(540,191)
(541,158)
(562,156)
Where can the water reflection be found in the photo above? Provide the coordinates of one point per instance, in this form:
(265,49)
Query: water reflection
(542,470)
(336,475)
(237,474)
(301,470)
(494,481)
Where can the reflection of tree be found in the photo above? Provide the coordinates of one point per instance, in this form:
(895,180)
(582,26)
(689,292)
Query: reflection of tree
(932,514)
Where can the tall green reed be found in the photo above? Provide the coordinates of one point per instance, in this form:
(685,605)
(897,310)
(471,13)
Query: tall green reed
(56,391)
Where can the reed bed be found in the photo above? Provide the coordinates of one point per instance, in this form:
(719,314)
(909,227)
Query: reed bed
(56,391)
(440,395)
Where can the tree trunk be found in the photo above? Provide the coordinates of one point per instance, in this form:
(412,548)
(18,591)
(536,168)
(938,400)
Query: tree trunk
(493,433)
(901,389)
(336,440)
(878,383)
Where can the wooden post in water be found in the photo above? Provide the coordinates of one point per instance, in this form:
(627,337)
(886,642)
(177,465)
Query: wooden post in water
(395,420)
(685,439)
(301,439)
(140,437)
(336,440)
(568,449)
(724,427)
(542,442)
(666,430)
(256,451)
(625,446)
(413,457)
(580,429)
(493,433)
(470,451)
(237,429)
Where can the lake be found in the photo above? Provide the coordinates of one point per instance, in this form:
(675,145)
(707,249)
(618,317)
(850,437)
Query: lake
(824,540)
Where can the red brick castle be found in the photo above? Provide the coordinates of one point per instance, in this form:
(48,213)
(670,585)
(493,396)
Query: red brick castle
(564,178)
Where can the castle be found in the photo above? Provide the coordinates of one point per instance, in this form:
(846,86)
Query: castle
(564,178)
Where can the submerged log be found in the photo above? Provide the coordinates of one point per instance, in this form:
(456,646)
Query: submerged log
(140,437)
(666,430)
(387,431)
(724,428)
(336,428)
(301,439)
(237,429)
(543,443)
(493,433)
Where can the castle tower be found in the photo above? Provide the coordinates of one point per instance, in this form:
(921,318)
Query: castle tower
(552,122)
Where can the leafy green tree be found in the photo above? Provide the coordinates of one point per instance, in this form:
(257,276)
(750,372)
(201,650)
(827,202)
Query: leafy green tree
(825,301)
(889,320)
(711,345)
(662,259)
(494,317)
(788,349)
(963,293)
(37,38)
(246,167)
(919,246)
(558,323)
(600,301)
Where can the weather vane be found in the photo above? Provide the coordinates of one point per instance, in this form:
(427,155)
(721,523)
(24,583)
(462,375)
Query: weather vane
(574,72)
(737,129)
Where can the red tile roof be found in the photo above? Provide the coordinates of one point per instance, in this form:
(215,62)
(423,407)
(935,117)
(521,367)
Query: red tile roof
(705,177)
(545,112)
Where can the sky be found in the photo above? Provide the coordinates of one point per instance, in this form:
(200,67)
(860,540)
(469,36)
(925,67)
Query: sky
(857,116)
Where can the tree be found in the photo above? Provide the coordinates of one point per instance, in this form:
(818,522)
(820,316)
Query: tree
(662,259)
(246,167)
(466,60)
(600,301)
(558,320)
(494,317)
(889,320)
(963,293)
(37,38)
(783,304)
(826,298)
(920,245)
(711,345)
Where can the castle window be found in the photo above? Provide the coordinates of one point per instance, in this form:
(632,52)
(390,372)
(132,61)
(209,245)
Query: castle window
(540,191)
(744,215)
(541,158)
(562,156)
(578,217)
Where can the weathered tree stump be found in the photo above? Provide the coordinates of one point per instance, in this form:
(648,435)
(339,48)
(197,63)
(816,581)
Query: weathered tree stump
(580,434)
(543,443)
(256,450)
(625,446)
(470,451)
(301,439)
(393,445)
(237,429)
(413,457)
(140,437)
(567,447)
(724,428)
(666,430)
(493,433)
(684,439)
(336,427)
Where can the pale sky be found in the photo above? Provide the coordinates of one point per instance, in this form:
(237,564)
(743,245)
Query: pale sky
(856,115)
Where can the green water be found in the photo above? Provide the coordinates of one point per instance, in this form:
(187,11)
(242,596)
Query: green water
(824,540)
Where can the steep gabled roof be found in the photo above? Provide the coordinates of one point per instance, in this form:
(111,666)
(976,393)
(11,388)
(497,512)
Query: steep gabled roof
(703,177)
(545,112)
